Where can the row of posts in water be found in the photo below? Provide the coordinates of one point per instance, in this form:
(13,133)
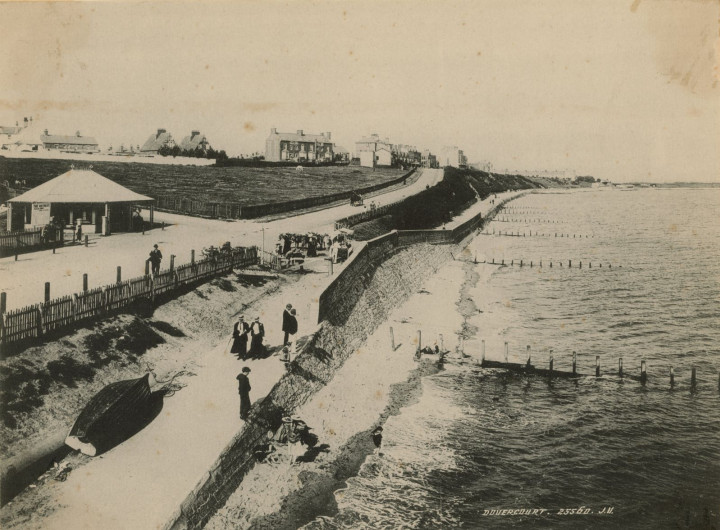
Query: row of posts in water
(531,234)
(522,263)
(551,371)
(547,221)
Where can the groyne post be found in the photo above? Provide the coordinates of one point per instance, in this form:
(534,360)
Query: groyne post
(693,379)
(620,367)
(643,372)
(527,348)
(672,378)
(119,274)
(172,262)
(85,282)
(597,366)
(47,291)
(482,351)
(392,338)
(506,351)
(552,363)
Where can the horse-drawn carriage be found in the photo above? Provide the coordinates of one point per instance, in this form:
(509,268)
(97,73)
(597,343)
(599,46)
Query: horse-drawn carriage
(356,199)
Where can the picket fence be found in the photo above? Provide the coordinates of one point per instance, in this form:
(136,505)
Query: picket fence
(60,313)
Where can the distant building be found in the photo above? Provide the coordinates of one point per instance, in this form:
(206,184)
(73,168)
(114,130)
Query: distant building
(195,141)
(70,144)
(342,155)
(374,151)
(453,157)
(157,141)
(299,147)
(407,155)
(427,159)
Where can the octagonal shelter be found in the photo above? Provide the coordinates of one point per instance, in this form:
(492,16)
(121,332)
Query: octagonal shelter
(80,196)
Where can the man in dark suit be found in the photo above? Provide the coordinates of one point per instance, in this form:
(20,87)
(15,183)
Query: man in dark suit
(244,391)
(286,324)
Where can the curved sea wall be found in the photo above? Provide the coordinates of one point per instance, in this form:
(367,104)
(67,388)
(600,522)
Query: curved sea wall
(380,276)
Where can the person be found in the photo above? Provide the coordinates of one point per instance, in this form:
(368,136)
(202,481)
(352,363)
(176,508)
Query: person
(293,324)
(257,332)
(286,244)
(155,259)
(334,251)
(79,232)
(244,391)
(377,436)
(286,324)
(285,356)
(240,338)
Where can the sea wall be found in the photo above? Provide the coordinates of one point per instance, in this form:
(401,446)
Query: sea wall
(388,278)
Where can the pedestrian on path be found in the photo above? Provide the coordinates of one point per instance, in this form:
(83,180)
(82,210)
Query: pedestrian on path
(240,338)
(244,391)
(286,323)
(79,231)
(155,259)
(257,332)
(292,327)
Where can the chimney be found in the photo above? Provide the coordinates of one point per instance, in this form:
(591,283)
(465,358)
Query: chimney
(273,131)
(160,131)
(194,134)
(329,135)
(25,120)
(77,133)
(46,132)
(300,132)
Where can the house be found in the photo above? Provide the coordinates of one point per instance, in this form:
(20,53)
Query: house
(427,159)
(70,144)
(194,142)
(8,133)
(453,157)
(342,155)
(374,151)
(299,147)
(157,141)
(407,155)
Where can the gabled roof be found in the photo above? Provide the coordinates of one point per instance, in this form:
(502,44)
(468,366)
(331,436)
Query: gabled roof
(156,141)
(78,186)
(193,141)
(10,130)
(60,139)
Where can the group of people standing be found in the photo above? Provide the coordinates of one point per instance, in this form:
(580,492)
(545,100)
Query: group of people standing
(244,332)
(254,333)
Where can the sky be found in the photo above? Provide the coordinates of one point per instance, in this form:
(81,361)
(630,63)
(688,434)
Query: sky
(622,90)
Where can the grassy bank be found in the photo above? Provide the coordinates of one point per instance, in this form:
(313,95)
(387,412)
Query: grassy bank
(438,205)
(243,185)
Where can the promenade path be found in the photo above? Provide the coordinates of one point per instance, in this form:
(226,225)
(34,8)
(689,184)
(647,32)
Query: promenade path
(24,280)
(141,483)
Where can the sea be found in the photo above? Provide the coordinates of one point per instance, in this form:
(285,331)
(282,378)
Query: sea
(483,448)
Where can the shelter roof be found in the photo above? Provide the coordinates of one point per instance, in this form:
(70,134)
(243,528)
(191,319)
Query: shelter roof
(80,186)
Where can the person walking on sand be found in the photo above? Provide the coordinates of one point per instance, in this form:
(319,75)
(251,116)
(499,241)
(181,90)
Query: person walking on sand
(240,338)
(155,259)
(257,332)
(244,391)
(286,323)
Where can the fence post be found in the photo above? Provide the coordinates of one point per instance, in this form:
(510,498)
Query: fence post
(119,274)
(40,320)
(85,283)
(74,307)
(47,291)
(147,268)
(86,240)
(192,256)
(172,262)
(3,302)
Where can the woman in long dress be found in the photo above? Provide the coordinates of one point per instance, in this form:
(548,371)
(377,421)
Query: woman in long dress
(240,338)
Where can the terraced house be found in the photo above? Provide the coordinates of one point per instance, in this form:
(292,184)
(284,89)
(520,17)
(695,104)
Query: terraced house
(298,147)
(194,142)
(157,141)
(72,144)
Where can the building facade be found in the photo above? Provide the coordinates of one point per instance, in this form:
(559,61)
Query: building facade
(70,144)
(299,147)
(453,157)
(374,151)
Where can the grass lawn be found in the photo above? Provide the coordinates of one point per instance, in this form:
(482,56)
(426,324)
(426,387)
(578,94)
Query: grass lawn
(246,186)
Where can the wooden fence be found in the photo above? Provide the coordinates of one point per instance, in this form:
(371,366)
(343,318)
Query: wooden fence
(66,311)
